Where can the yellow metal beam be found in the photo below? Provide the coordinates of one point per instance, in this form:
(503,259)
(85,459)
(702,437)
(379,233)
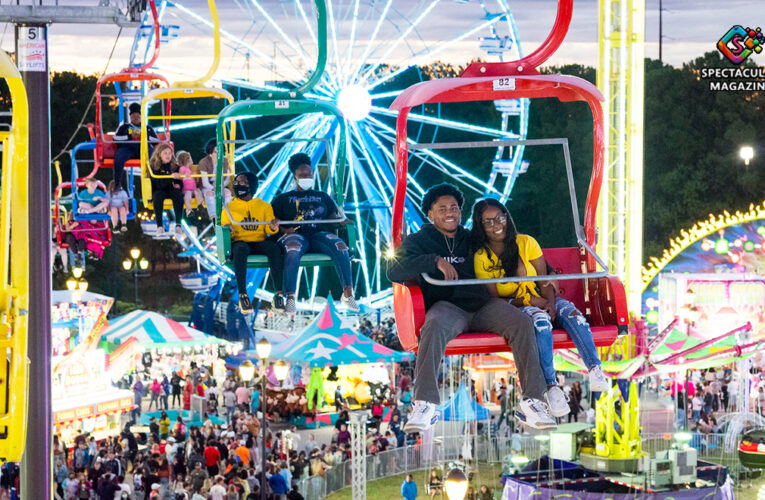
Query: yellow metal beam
(621,27)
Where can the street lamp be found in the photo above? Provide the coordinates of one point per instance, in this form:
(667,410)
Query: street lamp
(746,153)
(247,370)
(135,264)
(456,485)
(280,370)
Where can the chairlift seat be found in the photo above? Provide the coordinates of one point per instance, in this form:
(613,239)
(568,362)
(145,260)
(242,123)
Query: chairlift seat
(223,244)
(605,306)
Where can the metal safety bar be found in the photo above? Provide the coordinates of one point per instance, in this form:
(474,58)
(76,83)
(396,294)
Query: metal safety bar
(299,139)
(283,222)
(580,238)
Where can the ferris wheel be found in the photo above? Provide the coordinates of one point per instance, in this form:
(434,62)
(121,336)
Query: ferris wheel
(375,50)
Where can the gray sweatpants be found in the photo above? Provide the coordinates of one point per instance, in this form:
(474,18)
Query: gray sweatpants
(444,321)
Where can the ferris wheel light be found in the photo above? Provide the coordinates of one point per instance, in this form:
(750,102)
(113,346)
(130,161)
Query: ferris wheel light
(354,102)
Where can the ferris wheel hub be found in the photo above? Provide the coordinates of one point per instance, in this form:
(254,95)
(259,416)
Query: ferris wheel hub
(354,102)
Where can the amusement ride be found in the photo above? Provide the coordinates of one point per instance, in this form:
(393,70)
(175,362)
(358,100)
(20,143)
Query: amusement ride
(378,128)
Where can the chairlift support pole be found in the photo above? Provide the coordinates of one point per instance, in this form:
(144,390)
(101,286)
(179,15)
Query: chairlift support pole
(32,55)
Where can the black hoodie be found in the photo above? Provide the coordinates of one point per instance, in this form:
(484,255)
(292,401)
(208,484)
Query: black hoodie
(418,253)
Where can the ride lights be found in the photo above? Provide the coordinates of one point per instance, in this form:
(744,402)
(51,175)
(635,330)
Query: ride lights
(263,348)
(280,370)
(456,485)
(247,370)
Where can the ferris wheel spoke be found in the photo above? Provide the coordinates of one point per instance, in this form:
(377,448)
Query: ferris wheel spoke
(371,41)
(335,45)
(449,123)
(308,26)
(447,167)
(433,53)
(352,39)
(400,39)
(237,41)
(279,30)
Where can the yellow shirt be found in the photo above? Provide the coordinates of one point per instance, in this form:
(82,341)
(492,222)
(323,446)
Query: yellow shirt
(489,266)
(255,210)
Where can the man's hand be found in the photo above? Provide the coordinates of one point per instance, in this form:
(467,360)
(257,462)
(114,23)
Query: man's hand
(447,269)
(274,225)
(347,222)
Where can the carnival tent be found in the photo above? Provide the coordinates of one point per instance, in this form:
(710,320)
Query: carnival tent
(330,340)
(462,408)
(154,330)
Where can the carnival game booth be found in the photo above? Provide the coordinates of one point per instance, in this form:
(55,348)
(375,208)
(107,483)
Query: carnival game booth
(84,401)
(330,352)
(77,316)
(145,339)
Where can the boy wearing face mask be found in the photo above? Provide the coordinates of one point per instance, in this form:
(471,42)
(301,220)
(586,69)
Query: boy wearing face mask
(306,203)
(252,239)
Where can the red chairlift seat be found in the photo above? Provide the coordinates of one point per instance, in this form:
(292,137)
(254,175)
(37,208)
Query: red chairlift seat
(602,299)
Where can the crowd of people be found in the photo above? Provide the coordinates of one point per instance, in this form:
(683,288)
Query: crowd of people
(383,333)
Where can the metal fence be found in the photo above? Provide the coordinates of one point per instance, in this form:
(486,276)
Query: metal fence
(446,450)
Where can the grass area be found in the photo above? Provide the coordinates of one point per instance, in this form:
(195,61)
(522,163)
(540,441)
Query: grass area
(390,487)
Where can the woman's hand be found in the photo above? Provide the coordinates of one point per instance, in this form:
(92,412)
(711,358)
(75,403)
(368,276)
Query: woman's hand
(176,175)
(538,302)
(550,308)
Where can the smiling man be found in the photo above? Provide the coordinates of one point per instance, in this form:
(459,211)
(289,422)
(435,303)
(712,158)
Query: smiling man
(443,250)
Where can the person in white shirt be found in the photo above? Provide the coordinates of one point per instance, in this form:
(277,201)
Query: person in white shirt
(218,491)
(310,444)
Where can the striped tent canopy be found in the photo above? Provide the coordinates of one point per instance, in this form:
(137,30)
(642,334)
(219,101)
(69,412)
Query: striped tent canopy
(154,330)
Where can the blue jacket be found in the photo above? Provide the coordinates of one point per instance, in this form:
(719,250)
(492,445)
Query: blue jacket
(278,484)
(409,490)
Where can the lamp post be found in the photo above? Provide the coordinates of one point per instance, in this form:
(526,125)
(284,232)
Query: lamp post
(77,283)
(746,153)
(263,348)
(456,485)
(134,263)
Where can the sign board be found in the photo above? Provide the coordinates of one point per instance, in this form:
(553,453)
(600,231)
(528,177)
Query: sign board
(32,54)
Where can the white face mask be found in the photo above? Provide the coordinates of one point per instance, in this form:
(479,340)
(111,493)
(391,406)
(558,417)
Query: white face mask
(305,183)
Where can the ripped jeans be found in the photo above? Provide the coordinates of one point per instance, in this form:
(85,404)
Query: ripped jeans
(568,317)
(296,245)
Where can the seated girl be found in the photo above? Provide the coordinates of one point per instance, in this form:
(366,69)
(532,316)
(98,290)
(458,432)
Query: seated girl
(252,239)
(119,206)
(501,252)
(91,199)
(190,188)
(162,163)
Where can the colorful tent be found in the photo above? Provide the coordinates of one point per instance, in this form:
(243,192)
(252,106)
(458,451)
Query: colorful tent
(330,340)
(463,408)
(154,330)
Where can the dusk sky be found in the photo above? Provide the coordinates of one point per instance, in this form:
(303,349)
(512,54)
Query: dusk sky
(691,27)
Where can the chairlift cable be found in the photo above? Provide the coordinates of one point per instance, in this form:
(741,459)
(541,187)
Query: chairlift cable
(64,150)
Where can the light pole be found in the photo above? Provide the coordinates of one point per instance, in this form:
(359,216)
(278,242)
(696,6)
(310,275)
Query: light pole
(76,284)
(134,263)
(746,153)
(456,485)
(263,348)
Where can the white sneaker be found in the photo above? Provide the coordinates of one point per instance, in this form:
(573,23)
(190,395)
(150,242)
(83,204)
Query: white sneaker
(160,231)
(350,303)
(535,413)
(178,231)
(598,380)
(558,402)
(421,417)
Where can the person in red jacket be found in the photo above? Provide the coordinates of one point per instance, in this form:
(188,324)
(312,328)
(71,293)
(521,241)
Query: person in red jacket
(212,458)
(187,390)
